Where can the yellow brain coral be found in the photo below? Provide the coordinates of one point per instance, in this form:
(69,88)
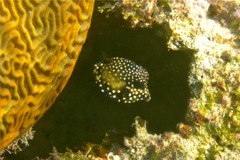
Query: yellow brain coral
(40,41)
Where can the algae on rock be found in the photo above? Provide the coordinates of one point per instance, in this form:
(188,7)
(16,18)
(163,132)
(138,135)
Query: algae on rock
(213,129)
(213,117)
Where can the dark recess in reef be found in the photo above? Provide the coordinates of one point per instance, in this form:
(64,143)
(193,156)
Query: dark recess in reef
(82,114)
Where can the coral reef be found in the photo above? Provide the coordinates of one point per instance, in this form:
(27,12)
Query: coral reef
(213,115)
(140,13)
(39,44)
(70,155)
(212,130)
(20,143)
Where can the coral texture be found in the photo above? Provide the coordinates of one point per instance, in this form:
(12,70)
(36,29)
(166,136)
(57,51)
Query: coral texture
(211,30)
(39,44)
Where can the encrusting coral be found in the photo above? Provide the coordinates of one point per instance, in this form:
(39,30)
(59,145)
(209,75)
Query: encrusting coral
(213,116)
(212,130)
(39,44)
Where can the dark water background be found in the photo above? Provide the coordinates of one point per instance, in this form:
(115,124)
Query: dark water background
(82,114)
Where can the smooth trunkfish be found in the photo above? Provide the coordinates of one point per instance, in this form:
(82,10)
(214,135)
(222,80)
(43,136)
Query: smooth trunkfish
(122,79)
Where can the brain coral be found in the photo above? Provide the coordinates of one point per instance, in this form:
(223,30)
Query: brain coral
(40,41)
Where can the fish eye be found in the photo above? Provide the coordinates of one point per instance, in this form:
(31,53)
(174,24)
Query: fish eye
(138,85)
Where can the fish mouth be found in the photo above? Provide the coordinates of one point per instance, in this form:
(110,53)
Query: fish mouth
(148,98)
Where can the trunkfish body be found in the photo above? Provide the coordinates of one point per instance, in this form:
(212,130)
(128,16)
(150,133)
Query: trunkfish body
(122,79)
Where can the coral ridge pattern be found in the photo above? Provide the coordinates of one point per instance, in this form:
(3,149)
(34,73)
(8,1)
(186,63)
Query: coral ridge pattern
(39,44)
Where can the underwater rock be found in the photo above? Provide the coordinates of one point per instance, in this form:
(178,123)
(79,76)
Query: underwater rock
(211,30)
(122,79)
